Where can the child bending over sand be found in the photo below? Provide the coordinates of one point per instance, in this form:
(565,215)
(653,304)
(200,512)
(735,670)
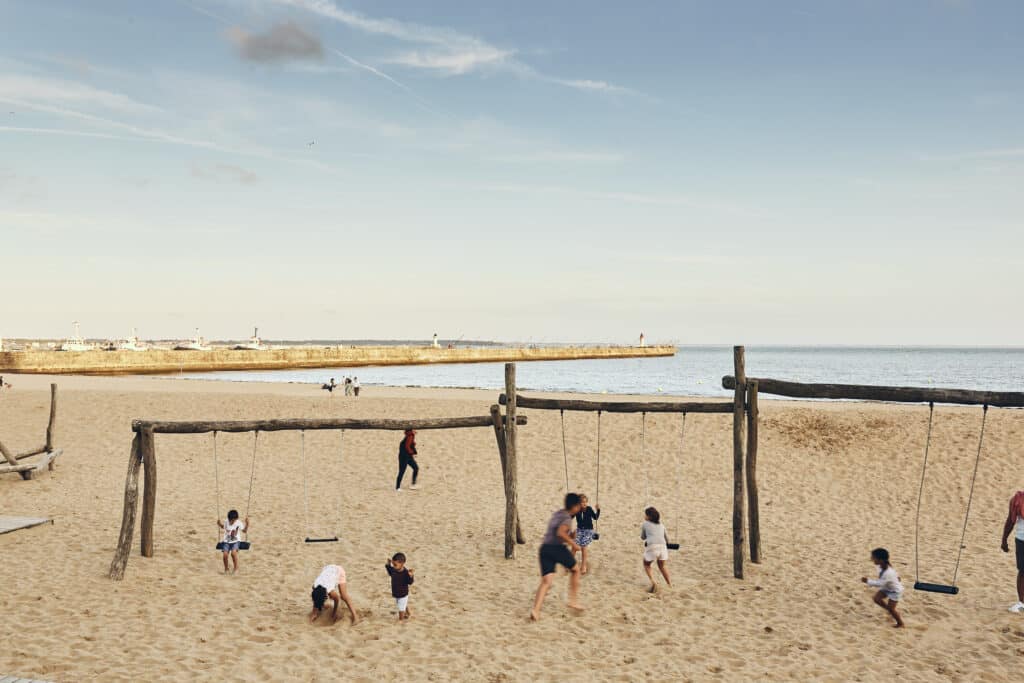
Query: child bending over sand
(401,579)
(655,546)
(331,584)
(888,583)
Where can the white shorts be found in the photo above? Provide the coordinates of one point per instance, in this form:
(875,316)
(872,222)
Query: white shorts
(653,553)
(402,604)
(895,596)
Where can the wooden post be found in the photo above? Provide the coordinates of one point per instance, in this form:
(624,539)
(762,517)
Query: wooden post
(499,435)
(754,512)
(131,497)
(8,456)
(511,467)
(51,426)
(148,453)
(737,462)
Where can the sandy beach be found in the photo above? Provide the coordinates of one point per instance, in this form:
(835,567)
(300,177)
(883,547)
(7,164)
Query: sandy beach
(836,480)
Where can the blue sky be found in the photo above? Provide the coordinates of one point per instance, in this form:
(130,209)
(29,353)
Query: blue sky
(737,172)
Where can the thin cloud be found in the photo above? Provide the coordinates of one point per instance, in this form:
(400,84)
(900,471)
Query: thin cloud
(225,173)
(39,88)
(67,132)
(981,155)
(455,53)
(559,157)
(380,74)
(281,43)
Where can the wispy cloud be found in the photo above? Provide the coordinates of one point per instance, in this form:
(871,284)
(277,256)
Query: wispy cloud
(281,43)
(67,132)
(33,88)
(225,173)
(450,52)
(380,74)
(979,155)
(556,156)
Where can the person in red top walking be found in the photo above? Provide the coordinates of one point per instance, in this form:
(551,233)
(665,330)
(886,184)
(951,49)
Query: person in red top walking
(407,459)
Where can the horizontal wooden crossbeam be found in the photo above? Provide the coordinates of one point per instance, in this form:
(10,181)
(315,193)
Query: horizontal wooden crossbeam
(278,425)
(870,392)
(619,406)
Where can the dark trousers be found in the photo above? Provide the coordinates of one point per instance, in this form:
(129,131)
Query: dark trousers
(405,461)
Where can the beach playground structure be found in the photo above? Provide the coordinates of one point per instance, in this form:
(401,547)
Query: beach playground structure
(47,453)
(143,455)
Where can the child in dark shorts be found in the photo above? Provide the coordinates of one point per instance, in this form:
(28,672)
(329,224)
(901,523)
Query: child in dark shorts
(554,552)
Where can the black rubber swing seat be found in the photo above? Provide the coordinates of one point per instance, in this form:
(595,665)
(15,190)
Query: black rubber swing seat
(242,545)
(673,546)
(935,588)
(322,540)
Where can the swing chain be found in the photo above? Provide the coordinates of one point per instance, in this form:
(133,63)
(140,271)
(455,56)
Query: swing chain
(970,496)
(920,494)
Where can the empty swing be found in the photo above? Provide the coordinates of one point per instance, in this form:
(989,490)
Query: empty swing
(242,545)
(952,588)
(305,490)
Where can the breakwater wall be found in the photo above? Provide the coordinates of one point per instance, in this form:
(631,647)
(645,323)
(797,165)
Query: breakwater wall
(155,361)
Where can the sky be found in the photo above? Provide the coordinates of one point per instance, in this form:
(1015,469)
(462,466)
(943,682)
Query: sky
(806,172)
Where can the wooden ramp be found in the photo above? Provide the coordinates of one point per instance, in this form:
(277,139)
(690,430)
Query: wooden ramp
(15,679)
(8,524)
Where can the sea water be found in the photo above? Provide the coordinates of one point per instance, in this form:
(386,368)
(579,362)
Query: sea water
(695,370)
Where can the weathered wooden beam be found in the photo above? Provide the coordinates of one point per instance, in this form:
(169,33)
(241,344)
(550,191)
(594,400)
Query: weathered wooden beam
(620,406)
(8,456)
(30,452)
(187,427)
(511,466)
(51,426)
(737,462)
(871,392)
(753,511)
(148,452)
(131,497)
(499,436)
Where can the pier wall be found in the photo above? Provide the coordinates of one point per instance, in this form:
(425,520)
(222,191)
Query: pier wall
(154,361)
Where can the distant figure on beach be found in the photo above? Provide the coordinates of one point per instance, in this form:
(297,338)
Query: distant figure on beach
(348,386)
(435,344)
(401,579)
(655,538)
(232,539)
(642,342)
(1015,523)
(407,459)
(888,585)
(330,386)
(355,386)
(585,534)
(553,552)
(331,584)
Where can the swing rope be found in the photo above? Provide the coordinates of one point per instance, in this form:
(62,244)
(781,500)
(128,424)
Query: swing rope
(341,453)
(216,481)
(597,488)
(920,493)
(565,452)
(305,480)
(252,475)
(679,503)
(970,496)
(643,458)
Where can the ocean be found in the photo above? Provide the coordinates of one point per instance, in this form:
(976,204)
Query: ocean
(696,371)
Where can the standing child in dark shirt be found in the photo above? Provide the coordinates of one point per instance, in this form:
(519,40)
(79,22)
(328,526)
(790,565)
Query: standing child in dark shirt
(585,529)
(401,579)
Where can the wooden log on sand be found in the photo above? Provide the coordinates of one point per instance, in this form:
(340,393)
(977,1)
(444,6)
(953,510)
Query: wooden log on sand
(200,427)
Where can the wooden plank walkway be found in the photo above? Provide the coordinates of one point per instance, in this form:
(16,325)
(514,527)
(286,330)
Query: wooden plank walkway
(8,524)
(15,679)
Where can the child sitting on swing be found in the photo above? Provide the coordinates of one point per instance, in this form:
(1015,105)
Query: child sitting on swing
(585,534)
(229,546)
(888,584)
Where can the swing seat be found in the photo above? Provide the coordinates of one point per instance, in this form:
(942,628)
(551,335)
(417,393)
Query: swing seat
(935,588)
(322,540)
(672,546)
(242,545)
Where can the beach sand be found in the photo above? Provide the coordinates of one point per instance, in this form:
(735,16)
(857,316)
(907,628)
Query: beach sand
(836,480)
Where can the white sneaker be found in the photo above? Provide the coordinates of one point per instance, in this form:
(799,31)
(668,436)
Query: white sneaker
(413,487)
(1017,607)
(398,490)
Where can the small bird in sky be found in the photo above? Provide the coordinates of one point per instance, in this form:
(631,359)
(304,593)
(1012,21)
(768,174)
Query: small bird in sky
(310,143)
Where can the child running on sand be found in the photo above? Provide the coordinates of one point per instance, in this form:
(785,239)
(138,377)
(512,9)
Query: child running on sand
(585,535)
(888,583)
(331,584)
(401,579)
(652,531)
(553,552)
(229,545)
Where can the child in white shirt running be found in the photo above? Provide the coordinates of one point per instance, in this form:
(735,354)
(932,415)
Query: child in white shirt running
(888,584)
